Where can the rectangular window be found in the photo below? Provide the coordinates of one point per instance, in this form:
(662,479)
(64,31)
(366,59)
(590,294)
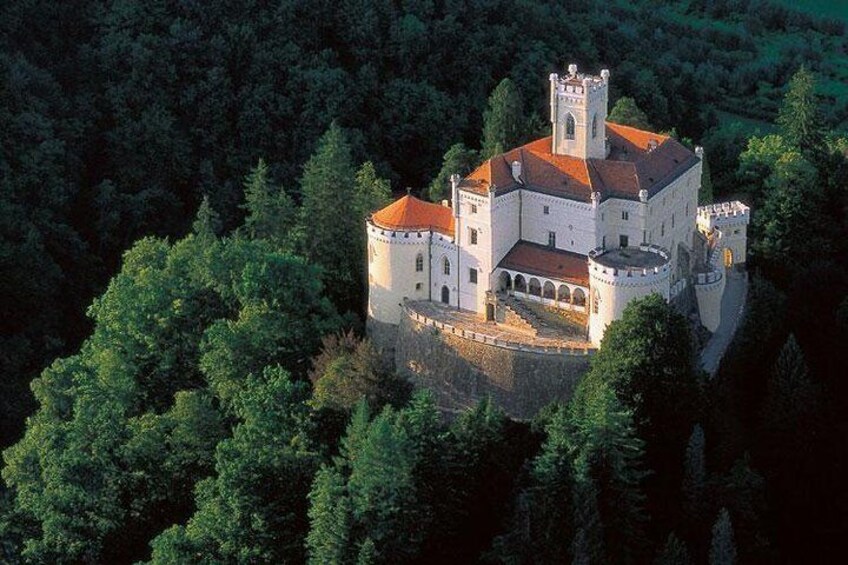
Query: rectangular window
(472,276)
(473,208)
(644,236)
(672,221)
(604,242)
(472,235)
(662,229)
(625,215)
(417,286)
(622,241)
(546,210)
(552,238)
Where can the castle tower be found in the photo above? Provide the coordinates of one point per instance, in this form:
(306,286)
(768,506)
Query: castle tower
(618,276)
(579,113)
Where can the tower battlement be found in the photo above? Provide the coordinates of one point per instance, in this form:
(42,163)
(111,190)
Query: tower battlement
(578,113)
(722,214)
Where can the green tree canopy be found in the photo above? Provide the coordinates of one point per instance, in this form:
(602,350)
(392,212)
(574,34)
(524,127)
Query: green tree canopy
(800,119)
(626,112)
(504,123)
(459,160)
(723,548)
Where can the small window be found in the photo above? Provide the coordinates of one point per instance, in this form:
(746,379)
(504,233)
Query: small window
(604,242)
(672,221)
(687,209)
(446,265)
(625,215)
(418,286)
(735,232)
(623,241)
(473,208)
(569,127)
(419,263)
(602,216)
(546,210)
(472,235)
(472,276)
(552,238)
(594,126)
(662,229)
(644,236)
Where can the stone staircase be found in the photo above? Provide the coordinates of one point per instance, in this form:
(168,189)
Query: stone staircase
(517,316)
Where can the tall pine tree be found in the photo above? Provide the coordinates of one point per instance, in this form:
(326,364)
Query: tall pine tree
(330,220)
(504,123)
(270,211)
(723,548)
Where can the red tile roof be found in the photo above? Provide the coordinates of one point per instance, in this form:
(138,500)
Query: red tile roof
(535,259)
(632,165)
(410,213)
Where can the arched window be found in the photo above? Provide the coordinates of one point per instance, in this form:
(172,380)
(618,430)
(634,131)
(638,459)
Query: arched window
(569,127)
(446,265)
(563,295)
(519,285)
(534,287)
(594,126)
(419,263)
(578,297)
(549,291)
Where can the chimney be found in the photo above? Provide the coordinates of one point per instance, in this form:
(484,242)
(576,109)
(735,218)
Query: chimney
(699,152)
(652,144)
(455,180)
(516,171)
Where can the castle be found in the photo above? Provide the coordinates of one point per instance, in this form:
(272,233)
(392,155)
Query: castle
(558,234)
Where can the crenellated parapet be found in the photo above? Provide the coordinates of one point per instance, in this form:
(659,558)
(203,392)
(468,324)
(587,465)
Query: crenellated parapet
(630,266)
(722,214)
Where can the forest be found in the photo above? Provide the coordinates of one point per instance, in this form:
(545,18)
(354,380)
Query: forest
(185,377)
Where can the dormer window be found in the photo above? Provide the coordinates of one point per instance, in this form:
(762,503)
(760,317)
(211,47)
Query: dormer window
(569,127)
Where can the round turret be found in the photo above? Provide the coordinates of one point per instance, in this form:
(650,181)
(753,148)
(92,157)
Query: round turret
(618,276)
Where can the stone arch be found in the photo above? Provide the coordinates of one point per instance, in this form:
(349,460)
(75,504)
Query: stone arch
(446,265)
(445,294)
(534,287)
(519,284)
(563,294)
(504,282)
(549,291)
(570,126)
(419,263)
(578,297)
(728,257)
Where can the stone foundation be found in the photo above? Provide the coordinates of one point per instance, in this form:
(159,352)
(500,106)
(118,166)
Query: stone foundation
(462,371)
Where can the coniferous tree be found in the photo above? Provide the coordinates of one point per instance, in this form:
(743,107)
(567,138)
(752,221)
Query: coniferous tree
(723,548)
(207,223)
(627,113)
(331,231)
(799,118)
(458,160)
(329,519)
(705,193)
(270,211)
(694,473)
(673,553)
(504,123)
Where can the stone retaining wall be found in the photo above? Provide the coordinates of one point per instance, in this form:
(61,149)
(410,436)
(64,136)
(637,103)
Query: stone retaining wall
(462,371)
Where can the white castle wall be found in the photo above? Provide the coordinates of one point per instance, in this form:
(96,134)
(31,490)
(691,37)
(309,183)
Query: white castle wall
(572,221)
(479,257)
(505,218)
(671,216)
(709,288)
(391,271)
(612,289)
